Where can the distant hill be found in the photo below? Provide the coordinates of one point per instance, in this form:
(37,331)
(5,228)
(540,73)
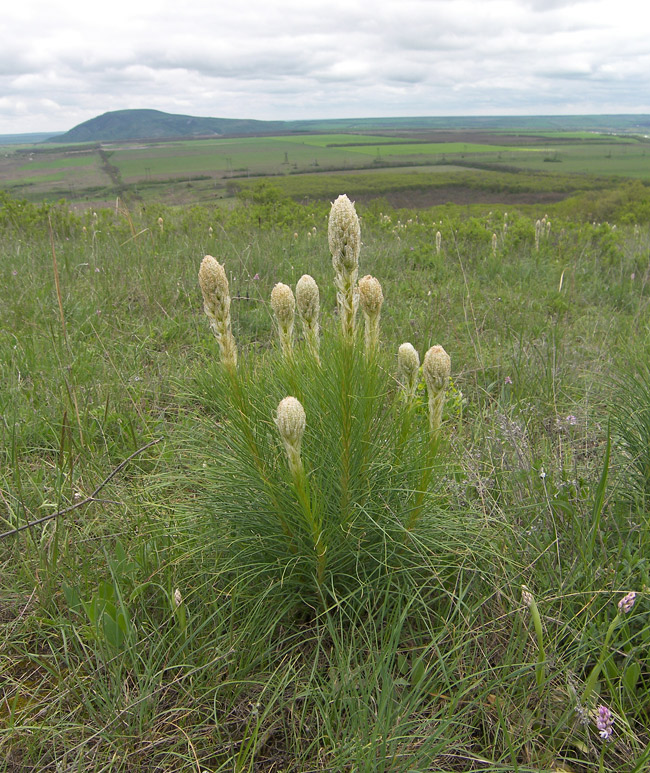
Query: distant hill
(154,124)
(28,139)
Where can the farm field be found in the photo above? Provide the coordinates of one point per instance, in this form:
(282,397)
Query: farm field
(193,577)
(182,172)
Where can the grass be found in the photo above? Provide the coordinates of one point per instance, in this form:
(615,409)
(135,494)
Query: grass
(103,671)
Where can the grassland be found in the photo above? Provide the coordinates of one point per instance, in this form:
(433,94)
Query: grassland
(434,665)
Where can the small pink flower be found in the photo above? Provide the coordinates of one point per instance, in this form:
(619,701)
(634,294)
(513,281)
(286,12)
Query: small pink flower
(257,276)
(604,722)
(14,273)
(507,380)
(626,603)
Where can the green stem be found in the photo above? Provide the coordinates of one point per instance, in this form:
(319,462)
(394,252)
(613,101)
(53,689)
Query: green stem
(595,671)
(302,492)
(346,430)
(540,667)
(425,483)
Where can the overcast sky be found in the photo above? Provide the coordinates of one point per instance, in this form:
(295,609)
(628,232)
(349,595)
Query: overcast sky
(65,61)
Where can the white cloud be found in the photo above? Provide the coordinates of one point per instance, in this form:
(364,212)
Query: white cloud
(65,61)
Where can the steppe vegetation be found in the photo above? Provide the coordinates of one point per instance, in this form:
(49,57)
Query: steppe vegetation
(196,599)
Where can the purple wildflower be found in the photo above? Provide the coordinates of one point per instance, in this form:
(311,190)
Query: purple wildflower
(626,603)
(604,722)
(257,276)
(507,380)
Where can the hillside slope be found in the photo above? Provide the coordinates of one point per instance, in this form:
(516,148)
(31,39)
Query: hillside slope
(154,124)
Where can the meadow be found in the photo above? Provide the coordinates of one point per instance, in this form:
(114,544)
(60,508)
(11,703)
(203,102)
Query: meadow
(166,598)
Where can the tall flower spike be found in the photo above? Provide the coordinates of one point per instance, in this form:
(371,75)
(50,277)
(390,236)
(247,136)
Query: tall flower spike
(436,369)
(308,303)
(216,304)
(291,421)
(408,365)
(344,235)
(371,299)
(284,306)
(438,242)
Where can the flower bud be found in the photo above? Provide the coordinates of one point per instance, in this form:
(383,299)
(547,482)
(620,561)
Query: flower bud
(526,596)
(436,369)
(308,302)
(307,298)
(371,296)
(283,303)
(290,420)
(344,234)
(214,286)
(408,365)
(216,304)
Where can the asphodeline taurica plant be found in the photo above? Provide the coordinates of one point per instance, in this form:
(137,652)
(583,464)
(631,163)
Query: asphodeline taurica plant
(348,475)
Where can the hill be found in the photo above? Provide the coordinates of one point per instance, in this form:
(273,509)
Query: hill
(155,124)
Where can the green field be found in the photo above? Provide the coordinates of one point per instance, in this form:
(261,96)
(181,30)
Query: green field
(180,172)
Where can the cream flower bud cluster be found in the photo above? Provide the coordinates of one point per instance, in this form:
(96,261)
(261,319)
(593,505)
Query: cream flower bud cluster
(526,596)
(344,236)
(371,299)
(308,302)
(216,304)
(408,367)
(371,296)
(291,421)
(436,370)
(283,304)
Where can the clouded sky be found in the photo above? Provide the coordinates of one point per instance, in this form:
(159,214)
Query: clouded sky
(65,61)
